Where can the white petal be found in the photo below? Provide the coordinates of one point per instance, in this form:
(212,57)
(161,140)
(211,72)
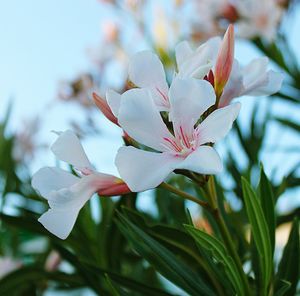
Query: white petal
(269,85)
(234,86)
(218,124)
(50,179)
(254,70)
(182,52)
(205,160)
(113,100)
(65,204)
(146,70)
(140,118)
(78,194)
(201,61)
(59,222)
(189,99)
(143,170)
(68,148)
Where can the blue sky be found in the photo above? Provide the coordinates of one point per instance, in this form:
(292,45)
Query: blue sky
(43,42)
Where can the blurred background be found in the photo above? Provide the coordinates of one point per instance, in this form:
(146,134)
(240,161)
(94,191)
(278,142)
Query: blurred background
(54,54)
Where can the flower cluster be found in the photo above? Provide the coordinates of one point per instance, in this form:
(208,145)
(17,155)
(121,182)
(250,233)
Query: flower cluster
(167,127)
(252,18)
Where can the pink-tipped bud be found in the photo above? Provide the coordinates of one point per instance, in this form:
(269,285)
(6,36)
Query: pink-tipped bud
(113,186)
(53,260)
(104,108)
(224,61)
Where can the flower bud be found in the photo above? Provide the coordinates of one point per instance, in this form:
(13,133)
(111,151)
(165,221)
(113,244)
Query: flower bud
(113,186)
(224,61)
(104,108)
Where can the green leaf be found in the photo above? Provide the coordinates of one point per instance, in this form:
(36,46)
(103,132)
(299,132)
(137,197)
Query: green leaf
(163,260)
(290,124)
(268,206)
(26,276)
(260,232)
(183,245)
(289,266)
(88,269)
(282,287)
(220,254)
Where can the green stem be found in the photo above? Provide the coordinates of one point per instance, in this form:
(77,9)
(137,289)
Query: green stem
(186,195)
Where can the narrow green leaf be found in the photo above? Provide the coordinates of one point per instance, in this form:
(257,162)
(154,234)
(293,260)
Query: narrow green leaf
(114,291)
(260,232)
(123,281)
(179,242)
(282,287)
(220,254)
(163,260)
(290,124)
(28,275)
(289,266)
(268,205)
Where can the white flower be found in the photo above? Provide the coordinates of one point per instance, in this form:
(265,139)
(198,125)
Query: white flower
(67,193)
(252,80)
(185,149)
(147,71)
(258,18)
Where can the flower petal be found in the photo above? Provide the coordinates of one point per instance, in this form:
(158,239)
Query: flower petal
(140,118)
(205,160)
(268,85)
(65,203)
(104,108)
(59,222)
(50,179)
(143,170)
(113,100)
(254,71)
(234,86)
(147,71)
(201,61)
(189,99)
(182,52)
(218,124)
(68,148)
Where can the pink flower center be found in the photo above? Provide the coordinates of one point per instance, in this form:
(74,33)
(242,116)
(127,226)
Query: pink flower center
(183,143)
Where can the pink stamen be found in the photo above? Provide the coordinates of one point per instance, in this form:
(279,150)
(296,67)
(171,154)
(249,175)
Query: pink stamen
(185,141)
(173,144)
(163,95)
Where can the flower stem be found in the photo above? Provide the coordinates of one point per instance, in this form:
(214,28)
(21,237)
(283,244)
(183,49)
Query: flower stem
(185,195)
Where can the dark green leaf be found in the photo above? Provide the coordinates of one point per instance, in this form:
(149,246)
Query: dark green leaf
(165,262)
(260,232)
(289,266)
(282,287)
(119,279)
(220,254)
(290,124)
(268,205)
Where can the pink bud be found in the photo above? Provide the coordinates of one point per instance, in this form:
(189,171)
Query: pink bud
(52,262)
(113,186)
(224,61)
(104,108)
